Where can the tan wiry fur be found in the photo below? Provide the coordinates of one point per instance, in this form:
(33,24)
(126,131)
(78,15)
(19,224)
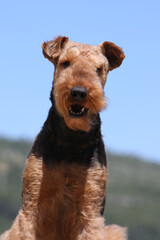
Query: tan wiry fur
(39,184)
(64,201)
(85,59)
(115,232)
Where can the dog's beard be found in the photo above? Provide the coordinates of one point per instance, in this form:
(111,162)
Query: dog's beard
(79,115)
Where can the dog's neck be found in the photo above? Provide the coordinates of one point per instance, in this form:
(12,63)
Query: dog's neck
(56,139)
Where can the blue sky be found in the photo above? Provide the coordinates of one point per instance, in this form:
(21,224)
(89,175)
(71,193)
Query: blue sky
(131,124)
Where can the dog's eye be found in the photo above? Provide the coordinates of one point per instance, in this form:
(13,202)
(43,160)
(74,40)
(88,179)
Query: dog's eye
(65,64)
(99,70)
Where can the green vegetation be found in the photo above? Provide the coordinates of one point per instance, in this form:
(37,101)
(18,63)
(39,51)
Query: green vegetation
(133,193)
(133,196)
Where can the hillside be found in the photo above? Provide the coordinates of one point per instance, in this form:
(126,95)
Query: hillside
(133,193)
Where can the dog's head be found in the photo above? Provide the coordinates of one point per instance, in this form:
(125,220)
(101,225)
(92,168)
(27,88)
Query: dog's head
(79,78)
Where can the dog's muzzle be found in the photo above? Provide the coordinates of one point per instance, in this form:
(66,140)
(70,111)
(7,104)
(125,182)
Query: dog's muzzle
(78,94)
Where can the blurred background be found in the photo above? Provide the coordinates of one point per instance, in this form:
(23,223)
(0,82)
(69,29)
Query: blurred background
(131,123)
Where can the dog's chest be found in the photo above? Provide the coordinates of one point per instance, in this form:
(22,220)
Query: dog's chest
(73,184)
(64,195)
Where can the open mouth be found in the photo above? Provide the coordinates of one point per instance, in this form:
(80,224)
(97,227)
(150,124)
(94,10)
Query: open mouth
(77,110)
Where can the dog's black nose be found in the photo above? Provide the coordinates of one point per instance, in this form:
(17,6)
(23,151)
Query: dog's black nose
(78,93)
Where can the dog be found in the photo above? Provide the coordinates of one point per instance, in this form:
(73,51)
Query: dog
(65,176)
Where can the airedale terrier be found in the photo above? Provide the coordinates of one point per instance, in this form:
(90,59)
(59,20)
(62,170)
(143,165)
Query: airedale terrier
(64,181)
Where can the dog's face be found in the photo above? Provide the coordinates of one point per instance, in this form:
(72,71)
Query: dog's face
(79,78)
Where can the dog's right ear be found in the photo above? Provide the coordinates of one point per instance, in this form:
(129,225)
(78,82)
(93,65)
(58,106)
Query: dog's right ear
(52,49)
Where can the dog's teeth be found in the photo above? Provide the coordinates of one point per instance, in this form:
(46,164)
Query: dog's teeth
(76,113)
(82,110)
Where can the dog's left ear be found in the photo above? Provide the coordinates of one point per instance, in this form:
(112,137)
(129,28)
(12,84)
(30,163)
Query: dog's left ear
(52,49)
(113,53)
